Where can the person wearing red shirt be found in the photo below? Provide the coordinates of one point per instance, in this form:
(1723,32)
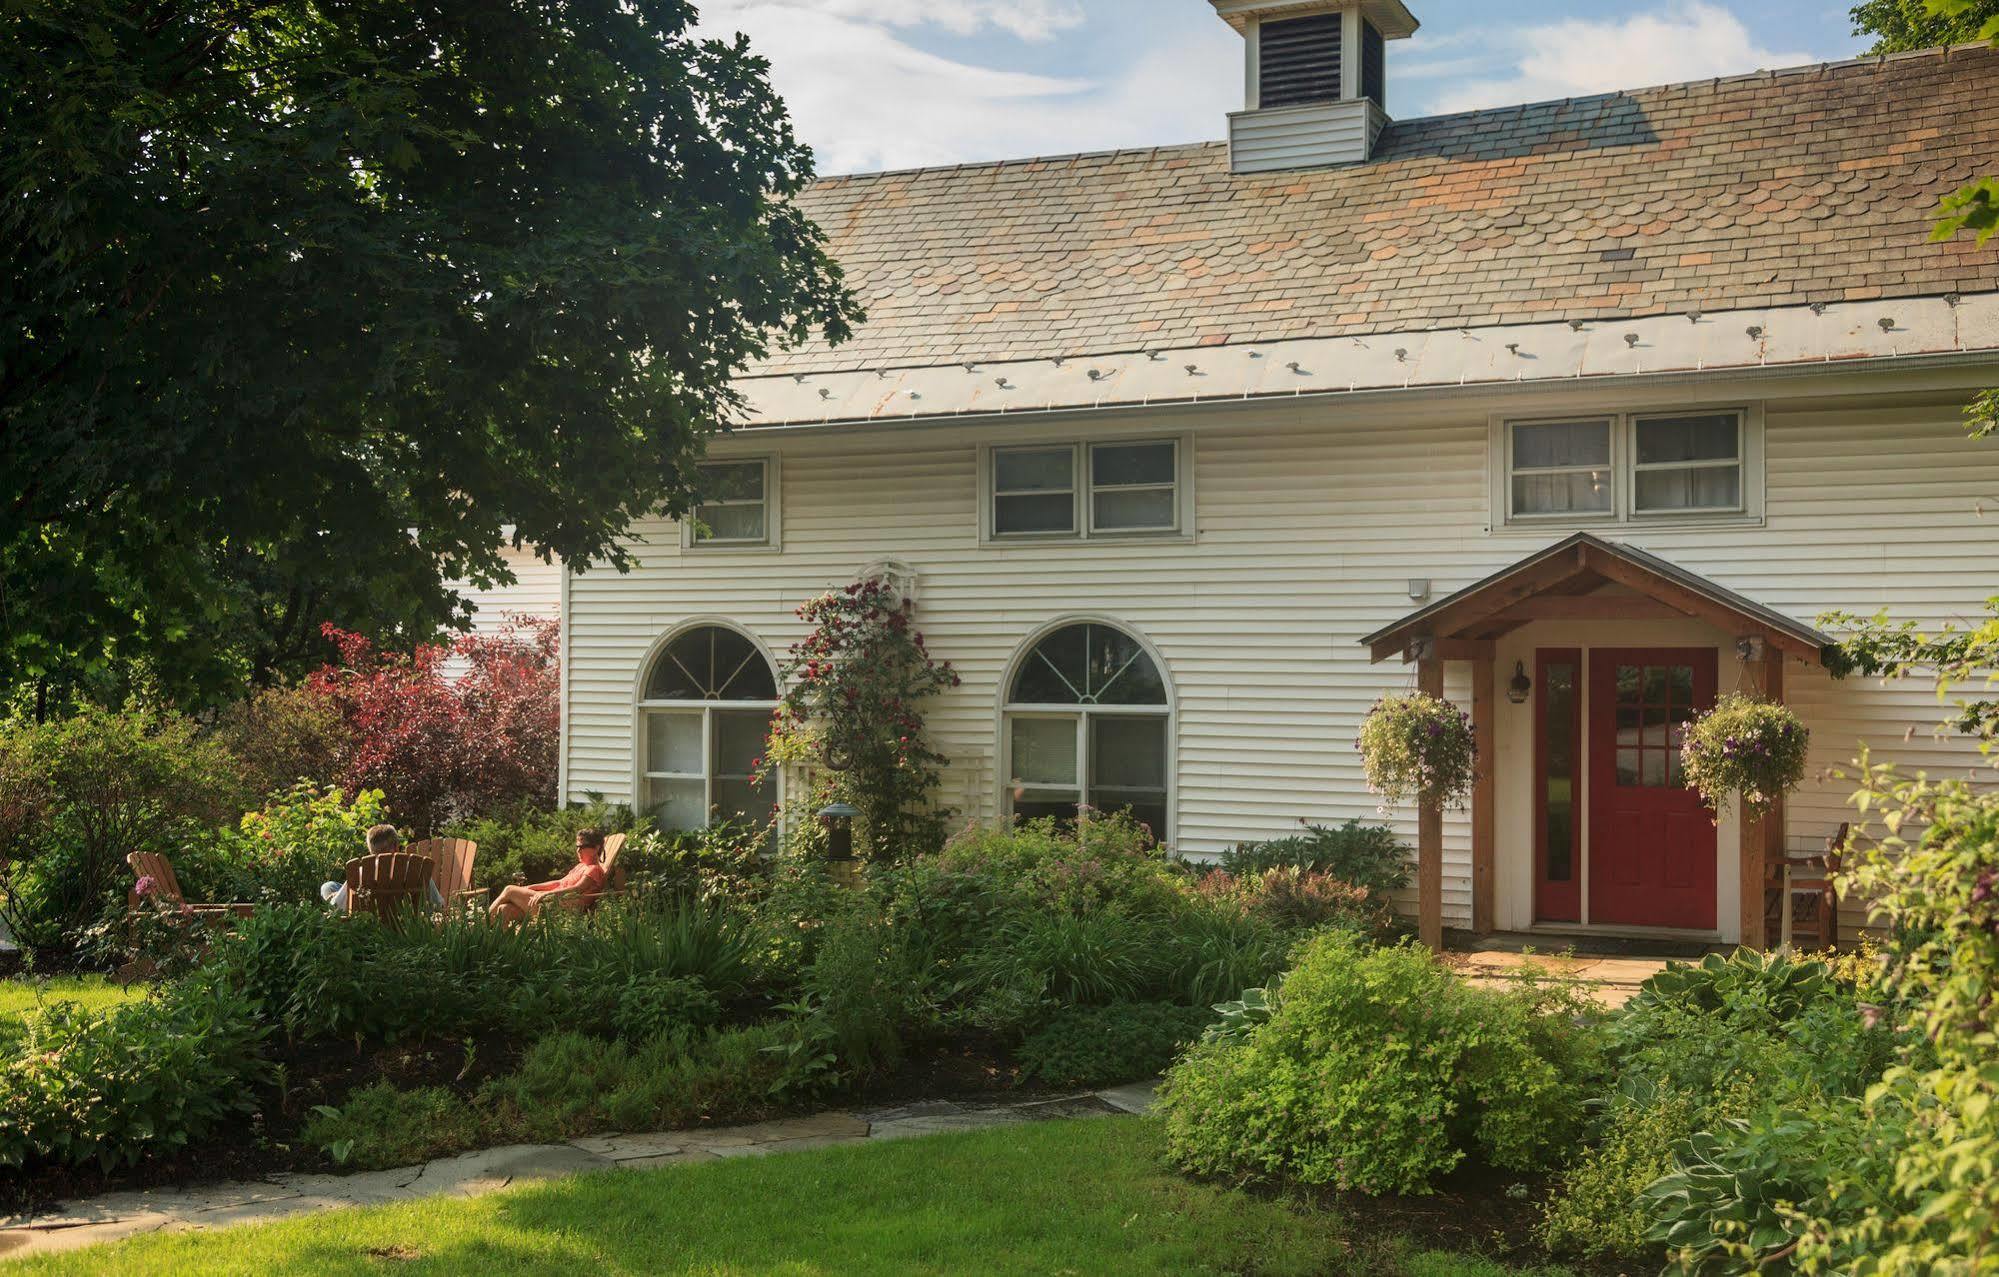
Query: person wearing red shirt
(520,902)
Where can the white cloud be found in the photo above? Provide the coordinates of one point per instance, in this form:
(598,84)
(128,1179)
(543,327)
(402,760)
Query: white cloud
(1691,41)
(865,97)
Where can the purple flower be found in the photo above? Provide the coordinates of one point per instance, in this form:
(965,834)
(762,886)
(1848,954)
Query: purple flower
(146,886)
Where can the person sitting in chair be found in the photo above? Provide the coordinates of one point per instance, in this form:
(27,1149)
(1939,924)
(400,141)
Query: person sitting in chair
(381,840)
(587,879)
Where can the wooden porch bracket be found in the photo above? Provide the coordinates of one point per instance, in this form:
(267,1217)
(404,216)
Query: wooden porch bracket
(1484,840)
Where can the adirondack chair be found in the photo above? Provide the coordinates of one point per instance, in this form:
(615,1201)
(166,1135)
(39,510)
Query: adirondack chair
(454,857)
(1801,904)
(614,878)
(389,884)
(166,888)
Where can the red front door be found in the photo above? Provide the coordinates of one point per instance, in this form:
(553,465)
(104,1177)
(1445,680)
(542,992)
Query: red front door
(1652,843)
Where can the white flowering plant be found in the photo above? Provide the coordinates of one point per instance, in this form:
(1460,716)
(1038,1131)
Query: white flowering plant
(1418,746)
(1746,746)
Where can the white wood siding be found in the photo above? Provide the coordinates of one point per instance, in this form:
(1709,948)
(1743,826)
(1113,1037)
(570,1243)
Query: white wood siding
(1311,520)
(536,591)
(1291,137)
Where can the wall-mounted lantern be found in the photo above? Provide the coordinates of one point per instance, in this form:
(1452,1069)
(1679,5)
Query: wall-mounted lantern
(838,819)
(1518,687)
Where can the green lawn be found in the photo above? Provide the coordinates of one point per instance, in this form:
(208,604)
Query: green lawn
(20,997)
(1082,1197)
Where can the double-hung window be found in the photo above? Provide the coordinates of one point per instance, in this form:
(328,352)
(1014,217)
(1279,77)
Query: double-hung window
(1626,468)
(1077,491)
(736,506)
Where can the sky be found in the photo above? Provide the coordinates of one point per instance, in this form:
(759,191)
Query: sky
(881,84)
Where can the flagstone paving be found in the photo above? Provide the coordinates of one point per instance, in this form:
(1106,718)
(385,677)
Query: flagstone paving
(205,1206)
(1610,981)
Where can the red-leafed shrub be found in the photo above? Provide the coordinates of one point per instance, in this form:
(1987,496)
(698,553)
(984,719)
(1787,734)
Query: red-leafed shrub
(444,748)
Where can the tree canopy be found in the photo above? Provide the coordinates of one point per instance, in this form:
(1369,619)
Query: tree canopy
(309,308)
(1899,25)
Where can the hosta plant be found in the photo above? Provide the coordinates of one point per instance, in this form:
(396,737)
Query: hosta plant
(1746,746)
(1418,746)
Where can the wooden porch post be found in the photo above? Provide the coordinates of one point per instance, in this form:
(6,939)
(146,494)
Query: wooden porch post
(1483,712)
(1763,837)
(1430,826)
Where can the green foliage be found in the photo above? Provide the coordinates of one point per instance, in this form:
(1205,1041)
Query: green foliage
(1072,959)
(865,991)
(1378,1071)
(1901,25)
(303,837)
(78,794)
(1370,856)
(1106,862)
(113,1086)
(380,1126)
(1302,899)
(1600,1208)
(1103,1046)
(1418,747)
(569,1084)
(1217,953)
(853,711)
(573,218)
(1756,748)
(1241,1017)
(322,976)
(1928,1200)
(651,1004)
(282,737)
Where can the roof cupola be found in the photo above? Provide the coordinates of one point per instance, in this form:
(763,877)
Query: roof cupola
(1315,82)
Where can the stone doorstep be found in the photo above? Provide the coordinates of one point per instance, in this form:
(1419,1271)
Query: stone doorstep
(125,1214)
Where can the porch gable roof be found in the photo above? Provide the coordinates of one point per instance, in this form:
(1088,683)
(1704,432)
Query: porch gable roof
(1568,571)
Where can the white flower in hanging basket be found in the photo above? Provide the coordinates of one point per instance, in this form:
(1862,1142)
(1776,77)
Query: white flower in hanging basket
(1418,746)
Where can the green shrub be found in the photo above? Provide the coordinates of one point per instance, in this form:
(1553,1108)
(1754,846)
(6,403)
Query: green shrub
(1107,862)
(1102,1046)
(282,737)
(304,836)
(649,1005)
(1218,951)
(1071,959)
(865,991)
(1378,1072)
(570,1084)
(1598,1209)
(381,1126)
(114,1086)
(1369,856)
(78,794)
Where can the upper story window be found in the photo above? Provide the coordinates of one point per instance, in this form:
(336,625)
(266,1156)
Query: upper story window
(1081,490)
(1627,467)
(738,505)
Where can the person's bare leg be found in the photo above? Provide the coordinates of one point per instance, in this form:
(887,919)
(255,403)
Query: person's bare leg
(512,905)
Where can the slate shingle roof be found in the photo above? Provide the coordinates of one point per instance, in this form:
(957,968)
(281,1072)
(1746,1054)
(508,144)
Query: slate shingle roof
(1813,185)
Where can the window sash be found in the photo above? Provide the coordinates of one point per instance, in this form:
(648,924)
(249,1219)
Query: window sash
(708,775)
(1083,491)
(1085,787)
(1624,470)
(698,537)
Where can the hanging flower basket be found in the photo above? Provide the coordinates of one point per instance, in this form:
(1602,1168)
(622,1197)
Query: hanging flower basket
(1418,746)
(1745,746)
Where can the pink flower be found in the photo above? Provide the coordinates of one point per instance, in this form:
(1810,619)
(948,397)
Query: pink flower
(146,886)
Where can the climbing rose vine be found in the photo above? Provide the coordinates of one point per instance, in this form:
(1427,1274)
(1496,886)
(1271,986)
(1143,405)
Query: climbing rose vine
(1747,746)
(853,710)
(1417,746)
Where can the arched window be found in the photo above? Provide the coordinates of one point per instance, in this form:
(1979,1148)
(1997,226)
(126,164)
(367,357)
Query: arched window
(704,714)
(1088,722)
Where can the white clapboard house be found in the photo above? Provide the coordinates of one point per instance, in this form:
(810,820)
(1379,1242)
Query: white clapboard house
(1578,412)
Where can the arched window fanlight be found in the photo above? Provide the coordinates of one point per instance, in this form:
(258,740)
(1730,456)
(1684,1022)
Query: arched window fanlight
(703,719)
(1088,723)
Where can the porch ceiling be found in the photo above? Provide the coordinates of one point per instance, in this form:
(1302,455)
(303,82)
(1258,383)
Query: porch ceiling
(1561,583)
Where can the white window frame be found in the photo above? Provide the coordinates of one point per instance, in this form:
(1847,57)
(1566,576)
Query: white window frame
(1624,469)
(1082,490)
(771,539)
(1011,710)
(644,709)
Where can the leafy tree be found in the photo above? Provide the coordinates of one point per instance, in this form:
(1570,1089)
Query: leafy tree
(308,307)
(1899,25)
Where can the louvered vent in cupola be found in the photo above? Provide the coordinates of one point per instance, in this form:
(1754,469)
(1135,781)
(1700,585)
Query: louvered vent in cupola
(1317,80)
(1298,60)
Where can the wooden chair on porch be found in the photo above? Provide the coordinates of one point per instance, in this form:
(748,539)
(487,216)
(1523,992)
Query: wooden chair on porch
(1800,901)
(389,885)
(454,857)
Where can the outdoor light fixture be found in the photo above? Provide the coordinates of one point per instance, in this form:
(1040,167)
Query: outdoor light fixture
(839,821)
(1519,685)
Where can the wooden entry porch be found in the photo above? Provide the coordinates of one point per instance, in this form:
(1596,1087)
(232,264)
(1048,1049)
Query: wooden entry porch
(1582,578)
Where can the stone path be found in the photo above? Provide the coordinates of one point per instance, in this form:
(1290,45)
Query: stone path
(205,1206)
(1610,981)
